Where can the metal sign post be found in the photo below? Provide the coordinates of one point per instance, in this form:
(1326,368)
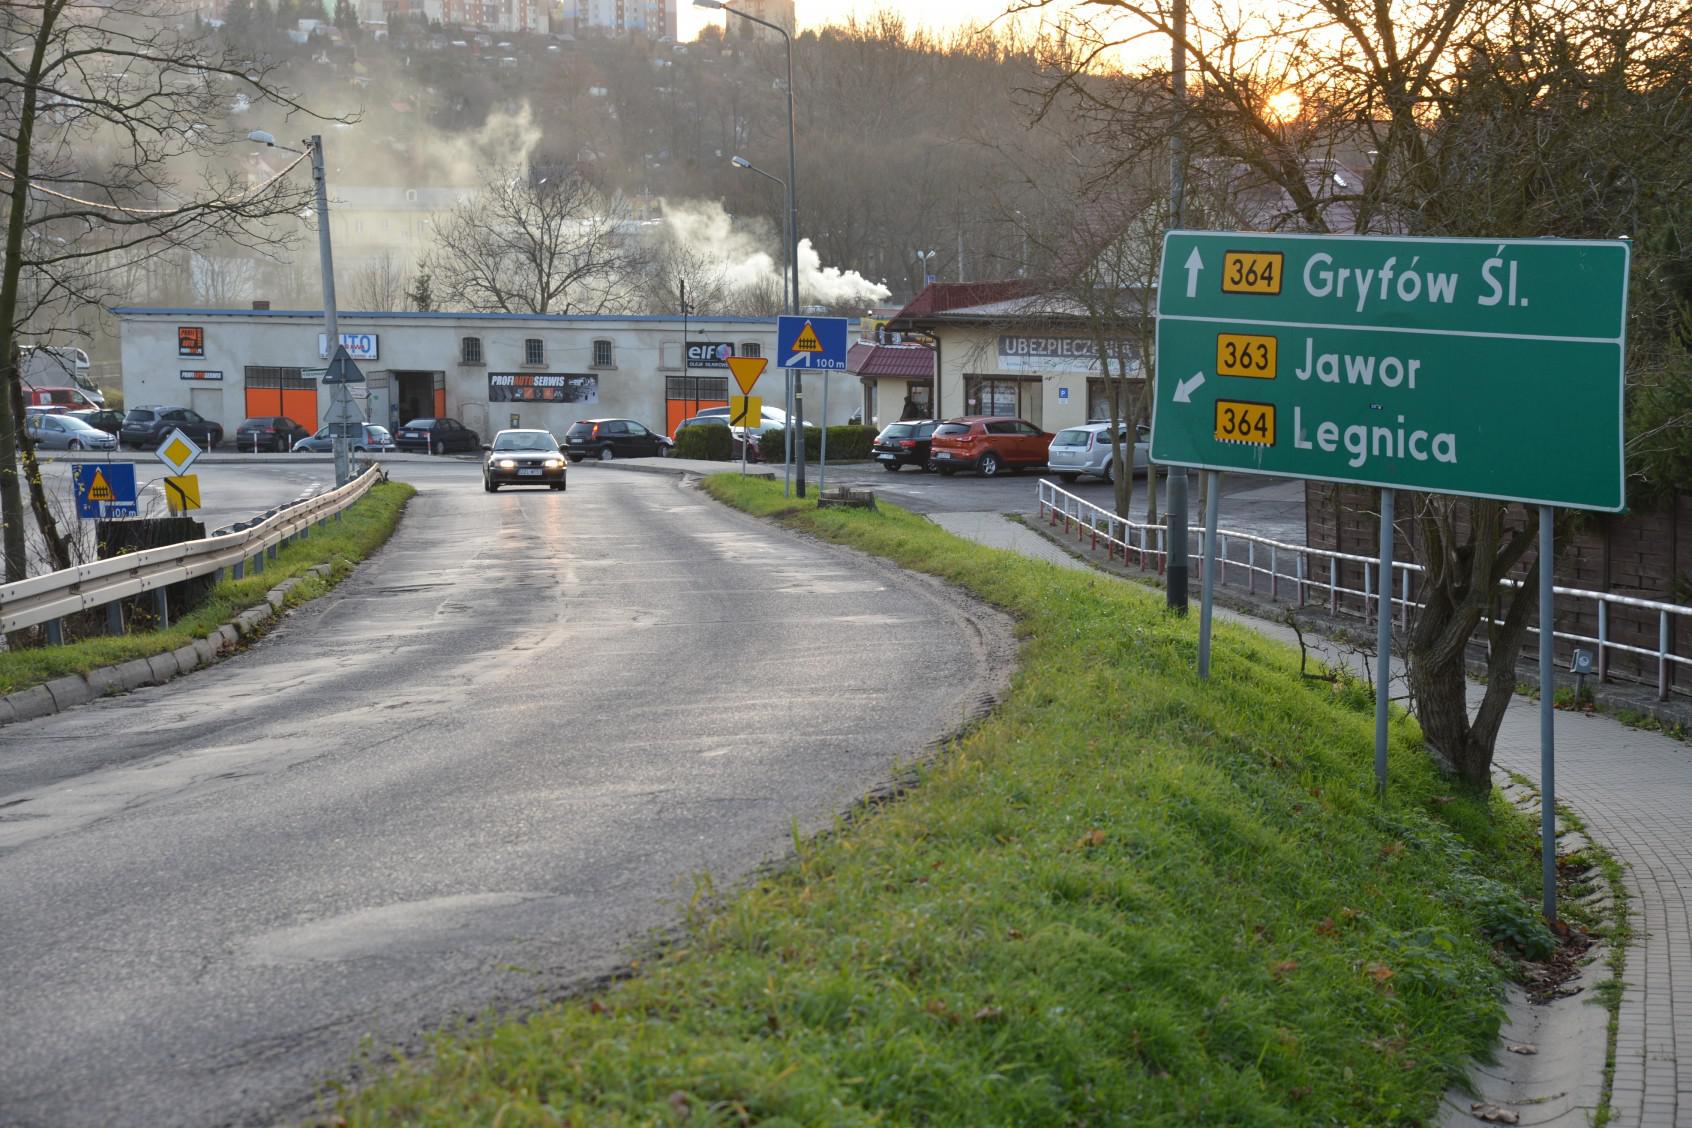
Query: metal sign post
(1383,641)
(816,344)
(1213,488)
(1547,721)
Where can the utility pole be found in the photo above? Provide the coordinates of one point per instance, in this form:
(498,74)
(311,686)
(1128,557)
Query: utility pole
(341,396)
(1175,506)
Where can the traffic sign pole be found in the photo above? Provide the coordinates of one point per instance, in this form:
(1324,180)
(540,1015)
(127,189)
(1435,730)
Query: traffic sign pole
(1383,641)
(1547,721)
(1212,500)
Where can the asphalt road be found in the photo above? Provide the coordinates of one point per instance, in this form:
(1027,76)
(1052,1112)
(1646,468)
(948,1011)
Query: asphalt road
(499,753)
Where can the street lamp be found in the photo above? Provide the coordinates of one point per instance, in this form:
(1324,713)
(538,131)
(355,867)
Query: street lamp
(792,211)
(743,163)
(326,265)
(926,259)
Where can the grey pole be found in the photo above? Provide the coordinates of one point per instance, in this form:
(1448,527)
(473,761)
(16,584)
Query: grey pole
(1547,721)
(1211,505)
(1175,502)
(822,466)
(331,327)
(1383,641)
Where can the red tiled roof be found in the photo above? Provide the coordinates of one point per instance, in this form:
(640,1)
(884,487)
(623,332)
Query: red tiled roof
(866,358)
(938,297)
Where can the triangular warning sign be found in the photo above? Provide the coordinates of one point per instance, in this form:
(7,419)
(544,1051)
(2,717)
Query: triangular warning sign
(99,489)
(807,340)
(746,370)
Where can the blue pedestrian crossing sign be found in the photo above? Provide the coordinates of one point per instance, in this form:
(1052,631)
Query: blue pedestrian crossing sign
(817,343)
(104,489)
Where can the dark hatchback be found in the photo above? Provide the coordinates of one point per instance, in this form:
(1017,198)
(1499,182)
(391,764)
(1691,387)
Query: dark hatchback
(523,458)
(269,432)
(110,422)
(148,426)
(606,439)
(436,436)
(904,443)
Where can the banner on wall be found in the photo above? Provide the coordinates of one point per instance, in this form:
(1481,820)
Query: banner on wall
(543,387)
(1058,354)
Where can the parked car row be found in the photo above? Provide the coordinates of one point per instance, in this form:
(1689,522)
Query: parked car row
(991,444)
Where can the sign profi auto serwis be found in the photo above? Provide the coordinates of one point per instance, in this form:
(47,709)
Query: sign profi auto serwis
(1485,367)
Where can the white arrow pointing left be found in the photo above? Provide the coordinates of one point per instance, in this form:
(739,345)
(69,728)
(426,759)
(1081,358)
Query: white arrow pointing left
(1185,389)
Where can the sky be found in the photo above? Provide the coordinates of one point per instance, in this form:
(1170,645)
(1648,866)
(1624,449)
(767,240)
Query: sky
(936,15)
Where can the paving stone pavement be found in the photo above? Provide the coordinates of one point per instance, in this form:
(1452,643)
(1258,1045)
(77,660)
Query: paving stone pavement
(1633,789)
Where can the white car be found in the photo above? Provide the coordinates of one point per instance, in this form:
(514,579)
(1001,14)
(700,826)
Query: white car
(1086,449)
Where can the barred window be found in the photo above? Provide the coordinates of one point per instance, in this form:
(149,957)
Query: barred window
(470,350)
(534,351)
(751,348)
(268,377)
(696,387)
(603,357)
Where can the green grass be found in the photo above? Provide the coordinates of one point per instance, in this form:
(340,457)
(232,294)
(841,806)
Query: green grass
(1125,897)
(365,525)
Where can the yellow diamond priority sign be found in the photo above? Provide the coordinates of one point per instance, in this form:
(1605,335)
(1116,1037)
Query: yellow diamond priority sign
(178,452)
(747,369)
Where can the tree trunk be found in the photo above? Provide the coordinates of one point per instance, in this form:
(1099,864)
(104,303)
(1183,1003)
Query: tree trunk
(58,552)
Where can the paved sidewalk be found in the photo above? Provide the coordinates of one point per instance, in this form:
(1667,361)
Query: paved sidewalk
(1634,791)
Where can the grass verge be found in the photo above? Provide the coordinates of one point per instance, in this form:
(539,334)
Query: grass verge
(366,524)
(1124,897)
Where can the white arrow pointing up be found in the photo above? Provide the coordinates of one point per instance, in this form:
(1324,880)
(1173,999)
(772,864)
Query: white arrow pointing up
(1195,263)
(1185,389)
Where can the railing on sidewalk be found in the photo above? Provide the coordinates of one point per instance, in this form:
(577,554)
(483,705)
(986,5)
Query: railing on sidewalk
(48,598)
(1320,574)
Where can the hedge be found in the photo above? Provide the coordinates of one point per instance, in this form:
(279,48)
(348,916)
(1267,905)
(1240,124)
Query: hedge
(713,444)
(846,443)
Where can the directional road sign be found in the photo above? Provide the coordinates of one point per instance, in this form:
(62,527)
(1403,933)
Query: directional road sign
(182,493)
(746,370)
(811,342)
(745,411)
(178,451)
(105,489)
(1487,367)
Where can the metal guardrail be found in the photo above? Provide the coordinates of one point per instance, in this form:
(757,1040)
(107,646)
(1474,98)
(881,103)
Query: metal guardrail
(1147,544)
(48,598)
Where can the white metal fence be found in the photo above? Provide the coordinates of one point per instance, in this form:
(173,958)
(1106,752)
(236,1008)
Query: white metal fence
(47,599)
(1304,575)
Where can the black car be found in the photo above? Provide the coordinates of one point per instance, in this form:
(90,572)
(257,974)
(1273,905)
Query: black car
(436,436)
(147,426)
(269,432)
(606,439)
(110,422)
(904,444)
(521,457)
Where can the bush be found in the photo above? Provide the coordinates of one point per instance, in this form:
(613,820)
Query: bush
(848,442)
(714,444)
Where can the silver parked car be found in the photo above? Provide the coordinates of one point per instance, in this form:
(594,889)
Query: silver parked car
(371,438)
(1087,450)
(64,432)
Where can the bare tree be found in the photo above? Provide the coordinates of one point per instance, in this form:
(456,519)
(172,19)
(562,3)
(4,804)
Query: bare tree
(380,283)
(1443,117)
(535,243)
(101,109)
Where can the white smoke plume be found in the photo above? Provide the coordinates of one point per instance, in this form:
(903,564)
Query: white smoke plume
(742,255)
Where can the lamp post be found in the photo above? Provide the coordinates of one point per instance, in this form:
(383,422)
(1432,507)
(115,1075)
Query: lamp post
(925,259)
(326,265)
(1175,504)
(787,295)
(786,236)
(792,218)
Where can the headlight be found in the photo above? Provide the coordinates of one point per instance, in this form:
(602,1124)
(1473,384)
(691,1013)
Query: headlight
(507,464)
(554,463)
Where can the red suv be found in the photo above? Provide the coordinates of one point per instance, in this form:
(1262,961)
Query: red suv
(987,443)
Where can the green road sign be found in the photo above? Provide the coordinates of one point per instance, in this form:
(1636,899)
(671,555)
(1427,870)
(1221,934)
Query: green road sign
(1491,368)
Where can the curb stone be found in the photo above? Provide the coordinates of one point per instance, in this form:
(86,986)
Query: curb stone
(78,689)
